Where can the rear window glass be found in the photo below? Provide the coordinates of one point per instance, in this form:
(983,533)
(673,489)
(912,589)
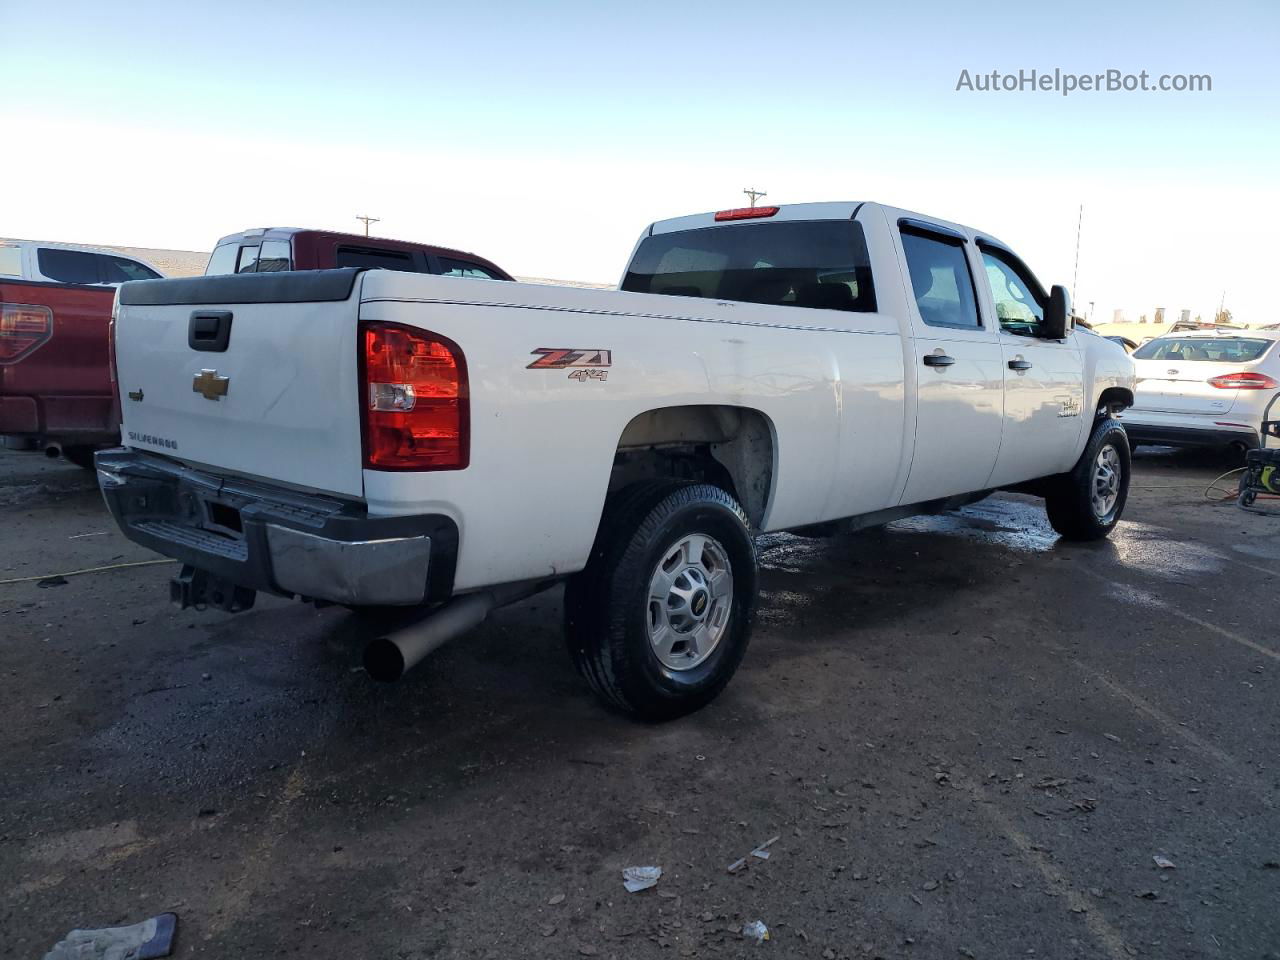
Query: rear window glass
(274,256)
(122,269)
(1222,350)
(462,268)
(68,266)
(247,262)
(375,259)
(222,261)
(796,263)
(10,260)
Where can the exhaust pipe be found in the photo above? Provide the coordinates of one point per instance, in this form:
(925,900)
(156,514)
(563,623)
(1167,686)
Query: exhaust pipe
(1238,448)
(53,451)
(387,658)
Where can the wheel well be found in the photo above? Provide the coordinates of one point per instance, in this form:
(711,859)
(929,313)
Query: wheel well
(732,447)
(1113,400)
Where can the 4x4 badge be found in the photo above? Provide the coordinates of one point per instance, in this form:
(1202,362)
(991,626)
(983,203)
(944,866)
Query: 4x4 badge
(589,362)
(209,385)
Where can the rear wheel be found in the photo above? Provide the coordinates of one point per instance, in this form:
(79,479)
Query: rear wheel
(660,618)
(1088,502)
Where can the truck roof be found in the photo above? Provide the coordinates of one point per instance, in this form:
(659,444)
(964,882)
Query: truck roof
(286,233)
(824,210)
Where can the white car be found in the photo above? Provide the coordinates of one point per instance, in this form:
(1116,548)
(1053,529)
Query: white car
(1204,388)
(43,262)
(373,437)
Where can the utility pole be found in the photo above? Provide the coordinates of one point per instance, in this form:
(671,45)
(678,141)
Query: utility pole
(367,221)
(1076,272)
(754,194)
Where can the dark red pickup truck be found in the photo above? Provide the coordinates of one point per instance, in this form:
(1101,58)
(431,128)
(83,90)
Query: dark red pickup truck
(269,249)
(55,372)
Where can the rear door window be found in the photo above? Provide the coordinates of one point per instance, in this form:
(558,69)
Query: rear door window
(247,262)
(68,266)
(222,260)
(373,258)
(793,263)
(463,268)
(274,256)
(941,280)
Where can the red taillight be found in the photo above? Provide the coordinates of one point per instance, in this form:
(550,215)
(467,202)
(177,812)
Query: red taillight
(416,414)
(746,213)
(1243,381)
(23,328)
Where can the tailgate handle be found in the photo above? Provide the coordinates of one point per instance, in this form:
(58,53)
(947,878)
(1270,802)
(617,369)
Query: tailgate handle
(209,330)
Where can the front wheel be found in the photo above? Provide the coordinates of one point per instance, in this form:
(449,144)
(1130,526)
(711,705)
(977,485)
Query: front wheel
(1087,503)
(660,618)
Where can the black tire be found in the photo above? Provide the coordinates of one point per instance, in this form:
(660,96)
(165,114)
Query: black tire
(607,607)
(1069,499)
(82,457)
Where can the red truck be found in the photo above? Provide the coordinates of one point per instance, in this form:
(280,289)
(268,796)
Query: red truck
(268,249)
(55,371)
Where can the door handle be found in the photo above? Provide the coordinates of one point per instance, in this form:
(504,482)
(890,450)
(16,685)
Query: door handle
(209,330)
(938,360)
(1019,364)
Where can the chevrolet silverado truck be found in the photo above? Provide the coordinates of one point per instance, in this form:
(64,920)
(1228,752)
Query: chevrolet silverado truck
(375,438)
(55,378)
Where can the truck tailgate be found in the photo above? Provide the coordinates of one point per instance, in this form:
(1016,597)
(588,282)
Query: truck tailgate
(278,401)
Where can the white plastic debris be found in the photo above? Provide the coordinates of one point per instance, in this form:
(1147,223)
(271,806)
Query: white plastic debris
(1164,863)
(636,879)
(762,852)
(756,930)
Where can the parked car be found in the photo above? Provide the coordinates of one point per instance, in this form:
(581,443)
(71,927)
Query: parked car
(273,249)
(42,262)
(55,376)
(369,437)
(1205,388)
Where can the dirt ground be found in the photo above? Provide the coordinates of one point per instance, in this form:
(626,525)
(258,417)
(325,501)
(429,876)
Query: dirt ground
(969,739)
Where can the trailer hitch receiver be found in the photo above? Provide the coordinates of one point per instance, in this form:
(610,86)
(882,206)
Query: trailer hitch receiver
(200,589)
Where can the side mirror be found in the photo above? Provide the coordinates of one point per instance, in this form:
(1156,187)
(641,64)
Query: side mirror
(1057,314)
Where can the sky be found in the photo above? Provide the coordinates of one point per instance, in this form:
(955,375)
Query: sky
(547,135)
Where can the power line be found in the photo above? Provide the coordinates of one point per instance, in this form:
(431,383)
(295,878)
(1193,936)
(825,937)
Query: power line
(1076,272)
(367,221)
(754,194)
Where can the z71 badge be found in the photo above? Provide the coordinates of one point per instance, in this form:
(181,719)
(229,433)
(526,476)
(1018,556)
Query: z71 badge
(583,364)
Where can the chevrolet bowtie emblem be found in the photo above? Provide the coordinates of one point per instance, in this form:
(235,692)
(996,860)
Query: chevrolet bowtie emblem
(209,385)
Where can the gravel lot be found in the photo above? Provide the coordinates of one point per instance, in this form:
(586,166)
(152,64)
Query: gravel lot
(969,739)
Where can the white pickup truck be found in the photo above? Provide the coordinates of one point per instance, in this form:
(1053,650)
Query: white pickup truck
(375,438)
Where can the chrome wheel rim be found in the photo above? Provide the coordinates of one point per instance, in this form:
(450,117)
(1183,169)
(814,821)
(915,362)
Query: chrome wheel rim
(690,600)
(1106,482)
